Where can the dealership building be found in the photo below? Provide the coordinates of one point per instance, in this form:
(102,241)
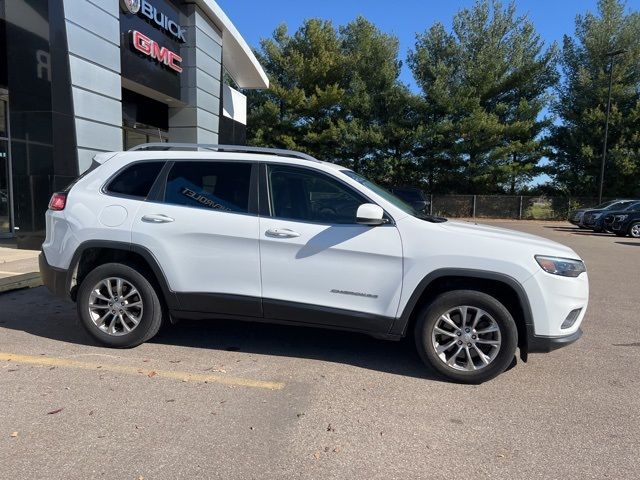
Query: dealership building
(79,77)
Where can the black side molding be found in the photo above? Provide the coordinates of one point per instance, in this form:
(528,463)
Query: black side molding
(400,325)
(169,296)
(539,344)
(55,279)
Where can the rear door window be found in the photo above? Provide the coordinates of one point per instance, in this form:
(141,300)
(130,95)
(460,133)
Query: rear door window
(136,180)
(211,185)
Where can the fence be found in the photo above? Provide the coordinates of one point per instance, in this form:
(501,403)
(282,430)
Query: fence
(517,207)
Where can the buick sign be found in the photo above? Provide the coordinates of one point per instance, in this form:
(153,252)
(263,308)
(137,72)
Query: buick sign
(156,17)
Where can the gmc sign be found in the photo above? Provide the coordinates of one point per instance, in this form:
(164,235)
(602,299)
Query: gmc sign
(151,48)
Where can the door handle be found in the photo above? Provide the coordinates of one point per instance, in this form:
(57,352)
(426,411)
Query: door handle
(157,218)
(281,233)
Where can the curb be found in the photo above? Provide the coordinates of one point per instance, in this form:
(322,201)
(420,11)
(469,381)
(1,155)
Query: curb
(24,280)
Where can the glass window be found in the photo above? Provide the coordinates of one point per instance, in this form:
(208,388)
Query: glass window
(308,196)
(3,119)
(210,185)
(389,197)
(136,180)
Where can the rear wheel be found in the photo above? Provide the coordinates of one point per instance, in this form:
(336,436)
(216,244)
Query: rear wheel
(467,336)
(118,306)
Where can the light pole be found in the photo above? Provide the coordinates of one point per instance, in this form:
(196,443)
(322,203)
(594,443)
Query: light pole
(612,56)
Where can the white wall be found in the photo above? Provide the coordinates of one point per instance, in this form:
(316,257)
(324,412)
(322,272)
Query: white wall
(93,35)
(202,69)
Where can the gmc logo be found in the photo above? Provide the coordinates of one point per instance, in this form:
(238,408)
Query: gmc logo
(152,49)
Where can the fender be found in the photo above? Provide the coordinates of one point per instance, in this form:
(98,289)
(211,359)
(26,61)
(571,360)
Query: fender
(169,295)
(399,326)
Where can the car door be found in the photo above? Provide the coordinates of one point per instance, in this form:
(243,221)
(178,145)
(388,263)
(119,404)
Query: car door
(318,265)
(202,227)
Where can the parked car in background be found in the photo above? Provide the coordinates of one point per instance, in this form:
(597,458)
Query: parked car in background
(413,196)
(606,220)
(592,218)
(626,224)
(575,216)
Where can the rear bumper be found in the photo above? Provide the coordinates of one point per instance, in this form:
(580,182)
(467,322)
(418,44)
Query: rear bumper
(55,279)
(541,344)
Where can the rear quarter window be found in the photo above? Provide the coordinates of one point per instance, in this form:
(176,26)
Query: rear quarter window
(135,180)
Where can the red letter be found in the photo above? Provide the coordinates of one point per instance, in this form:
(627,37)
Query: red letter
(173,58)
(141,42)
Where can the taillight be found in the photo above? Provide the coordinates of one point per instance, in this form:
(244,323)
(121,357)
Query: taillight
(58,201)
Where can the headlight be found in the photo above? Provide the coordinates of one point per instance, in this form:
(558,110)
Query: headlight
(565,267)
(597,215)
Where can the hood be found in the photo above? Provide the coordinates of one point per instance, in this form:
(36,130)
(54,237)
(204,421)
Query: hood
(542,245)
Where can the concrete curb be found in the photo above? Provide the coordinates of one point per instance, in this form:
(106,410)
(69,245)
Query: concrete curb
(24,280)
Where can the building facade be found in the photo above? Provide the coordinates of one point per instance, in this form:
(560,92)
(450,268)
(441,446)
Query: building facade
(79,77)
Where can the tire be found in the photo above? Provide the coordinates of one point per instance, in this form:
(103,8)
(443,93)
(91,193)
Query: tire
(494,317)
(142,305)
(620,234)
(634,230)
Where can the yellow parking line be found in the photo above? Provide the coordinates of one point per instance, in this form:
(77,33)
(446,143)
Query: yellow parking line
(175,375)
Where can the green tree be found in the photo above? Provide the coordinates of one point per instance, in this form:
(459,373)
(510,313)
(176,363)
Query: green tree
(485,85)
(335,94)
(582,102)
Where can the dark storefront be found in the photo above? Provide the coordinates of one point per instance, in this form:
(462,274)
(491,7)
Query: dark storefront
(79,77)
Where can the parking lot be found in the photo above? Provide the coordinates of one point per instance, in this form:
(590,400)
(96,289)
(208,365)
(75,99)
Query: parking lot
(238,400)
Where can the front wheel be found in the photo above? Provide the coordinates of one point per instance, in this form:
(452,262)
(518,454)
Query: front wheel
(466,336)
(118,306)
(634,230)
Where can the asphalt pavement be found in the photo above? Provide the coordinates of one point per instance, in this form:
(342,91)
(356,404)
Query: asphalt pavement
(233,400)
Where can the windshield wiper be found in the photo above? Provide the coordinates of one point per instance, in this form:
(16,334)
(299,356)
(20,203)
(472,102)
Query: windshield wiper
(431,218)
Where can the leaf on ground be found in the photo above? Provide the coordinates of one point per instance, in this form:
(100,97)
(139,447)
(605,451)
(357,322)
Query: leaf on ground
(14,434)
(53,412)
(151,374)
(316,455)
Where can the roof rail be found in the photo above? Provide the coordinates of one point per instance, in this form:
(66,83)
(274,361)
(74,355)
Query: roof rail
(223,148)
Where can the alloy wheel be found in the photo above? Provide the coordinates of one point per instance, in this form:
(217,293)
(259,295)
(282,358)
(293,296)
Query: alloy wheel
(466,338)
(115,306)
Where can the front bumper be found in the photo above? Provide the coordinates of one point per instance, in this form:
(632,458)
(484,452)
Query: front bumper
(541,344)
(55,279)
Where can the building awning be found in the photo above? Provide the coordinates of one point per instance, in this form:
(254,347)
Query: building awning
(237,57)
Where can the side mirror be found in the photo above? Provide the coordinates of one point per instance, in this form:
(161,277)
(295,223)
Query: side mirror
(420,205)
(370,214)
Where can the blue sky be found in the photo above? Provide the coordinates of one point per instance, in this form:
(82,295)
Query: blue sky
(403,18)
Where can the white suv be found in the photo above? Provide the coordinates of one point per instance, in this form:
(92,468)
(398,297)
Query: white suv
(183,231)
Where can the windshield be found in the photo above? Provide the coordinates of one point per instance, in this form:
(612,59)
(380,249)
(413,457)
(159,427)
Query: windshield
(619,205)
(633,207)
(388,196)
(605,204)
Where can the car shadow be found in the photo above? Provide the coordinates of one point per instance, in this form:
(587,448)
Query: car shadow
(563,229)
(58,321)
(632,244)
(330,237)
(578,231)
